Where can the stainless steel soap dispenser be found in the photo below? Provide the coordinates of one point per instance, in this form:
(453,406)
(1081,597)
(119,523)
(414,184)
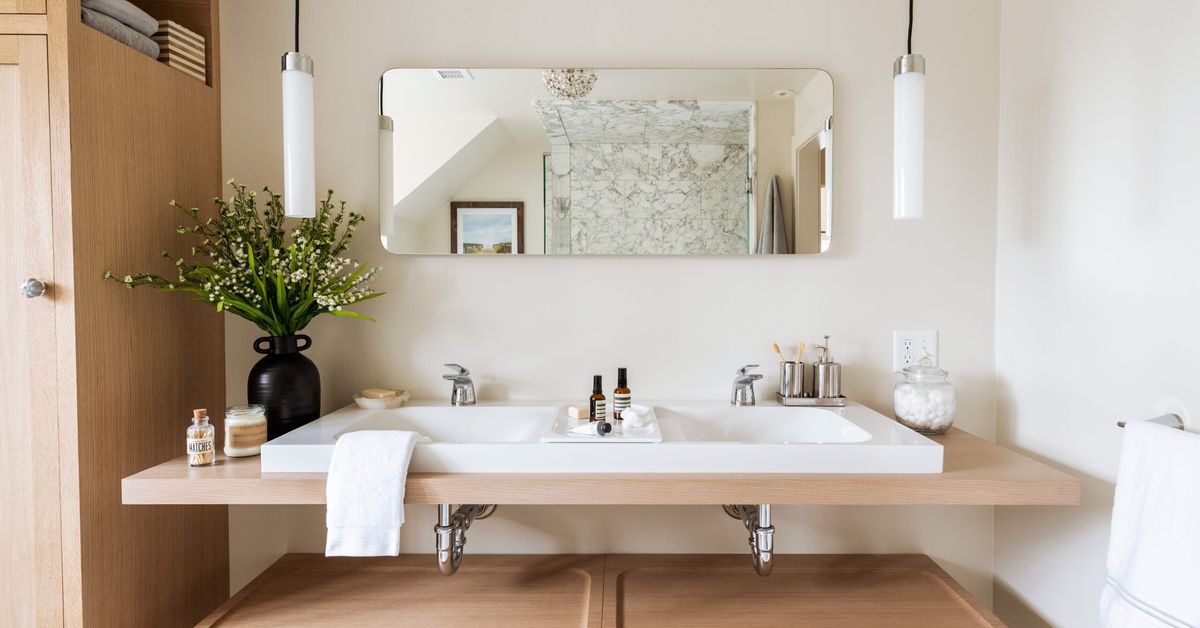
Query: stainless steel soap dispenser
(827,374)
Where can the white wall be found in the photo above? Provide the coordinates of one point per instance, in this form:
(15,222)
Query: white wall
(688,336)
(514,175)
(812,109)
(1096,291)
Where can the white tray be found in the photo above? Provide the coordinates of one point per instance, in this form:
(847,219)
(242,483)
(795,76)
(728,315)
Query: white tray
(556,431)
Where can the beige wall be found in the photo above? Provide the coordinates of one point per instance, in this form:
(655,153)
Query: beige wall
(686,335)
(773,130)
(1096,285)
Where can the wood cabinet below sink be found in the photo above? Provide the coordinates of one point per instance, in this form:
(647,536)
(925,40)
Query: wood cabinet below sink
(605,591)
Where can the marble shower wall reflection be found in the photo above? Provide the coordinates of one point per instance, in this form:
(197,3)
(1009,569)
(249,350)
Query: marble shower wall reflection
(647,177)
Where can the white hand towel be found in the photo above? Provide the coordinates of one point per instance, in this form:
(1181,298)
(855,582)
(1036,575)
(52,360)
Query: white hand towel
(364,493)
(1154,545)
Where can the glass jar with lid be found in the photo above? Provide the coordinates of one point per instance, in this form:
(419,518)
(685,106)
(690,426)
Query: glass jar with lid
(924,400)
(245,430)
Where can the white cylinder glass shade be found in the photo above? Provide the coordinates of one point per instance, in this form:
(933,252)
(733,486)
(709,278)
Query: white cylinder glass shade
(299,153)
(908,161)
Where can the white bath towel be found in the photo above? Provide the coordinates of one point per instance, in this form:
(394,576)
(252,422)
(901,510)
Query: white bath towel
(364,493)
(1154,545)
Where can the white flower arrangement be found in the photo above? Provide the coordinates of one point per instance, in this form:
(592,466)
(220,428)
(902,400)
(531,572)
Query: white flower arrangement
(249,264)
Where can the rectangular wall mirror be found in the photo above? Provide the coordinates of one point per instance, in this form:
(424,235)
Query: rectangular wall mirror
(477,161)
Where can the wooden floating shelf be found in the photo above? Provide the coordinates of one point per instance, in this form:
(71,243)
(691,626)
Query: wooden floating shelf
(977,473)
(599,591)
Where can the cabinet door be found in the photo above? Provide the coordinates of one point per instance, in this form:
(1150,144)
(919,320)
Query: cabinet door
(30,529)
(22,6)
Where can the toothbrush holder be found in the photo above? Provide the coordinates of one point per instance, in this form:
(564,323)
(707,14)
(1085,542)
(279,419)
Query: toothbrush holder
(791,379)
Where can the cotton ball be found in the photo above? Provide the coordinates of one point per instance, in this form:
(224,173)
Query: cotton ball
(923,408)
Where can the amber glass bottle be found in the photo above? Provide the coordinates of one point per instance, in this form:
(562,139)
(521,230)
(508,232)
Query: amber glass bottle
(598,406)
(622,396)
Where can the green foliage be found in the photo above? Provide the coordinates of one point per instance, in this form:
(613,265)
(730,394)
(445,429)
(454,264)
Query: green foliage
(249,264)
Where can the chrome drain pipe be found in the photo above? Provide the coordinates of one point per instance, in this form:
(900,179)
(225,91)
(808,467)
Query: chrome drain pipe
(451,532)
(757,520)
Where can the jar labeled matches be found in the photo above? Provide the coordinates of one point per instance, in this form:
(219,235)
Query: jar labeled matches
(200,433)
(924,400)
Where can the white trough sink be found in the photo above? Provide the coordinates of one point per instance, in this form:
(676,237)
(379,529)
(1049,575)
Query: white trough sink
(698,437)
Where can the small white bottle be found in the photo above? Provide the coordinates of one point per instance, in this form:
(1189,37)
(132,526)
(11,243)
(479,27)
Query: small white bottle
(200,433)
(245,430)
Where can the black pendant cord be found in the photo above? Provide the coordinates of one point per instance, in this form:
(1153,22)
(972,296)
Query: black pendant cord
(298,28)
(910,25)
(381,95)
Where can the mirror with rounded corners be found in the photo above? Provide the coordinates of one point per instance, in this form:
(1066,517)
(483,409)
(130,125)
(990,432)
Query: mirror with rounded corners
(576,161)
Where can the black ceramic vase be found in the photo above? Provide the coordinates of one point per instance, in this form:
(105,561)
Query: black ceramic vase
(286,383)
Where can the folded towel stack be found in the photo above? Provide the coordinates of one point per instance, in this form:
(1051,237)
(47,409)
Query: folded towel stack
(180,48)
(122,21)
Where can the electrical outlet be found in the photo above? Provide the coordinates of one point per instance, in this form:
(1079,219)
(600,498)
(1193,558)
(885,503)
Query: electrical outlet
(908,346)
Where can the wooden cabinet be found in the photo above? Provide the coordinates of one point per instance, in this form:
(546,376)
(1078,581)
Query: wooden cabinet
(598,591)
(31,579)
(99,381)
(828,590)
(22,6)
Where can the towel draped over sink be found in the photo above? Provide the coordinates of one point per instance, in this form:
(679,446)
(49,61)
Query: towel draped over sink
(364,493)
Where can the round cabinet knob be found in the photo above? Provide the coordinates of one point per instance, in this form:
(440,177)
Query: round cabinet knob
(33,288)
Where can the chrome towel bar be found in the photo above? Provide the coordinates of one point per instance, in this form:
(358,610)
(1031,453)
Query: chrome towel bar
(1169,420)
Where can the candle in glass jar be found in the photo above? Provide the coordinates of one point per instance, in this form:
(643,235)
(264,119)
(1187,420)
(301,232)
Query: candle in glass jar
(245,430)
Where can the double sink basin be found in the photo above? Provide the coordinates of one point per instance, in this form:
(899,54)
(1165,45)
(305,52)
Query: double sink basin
(698,437)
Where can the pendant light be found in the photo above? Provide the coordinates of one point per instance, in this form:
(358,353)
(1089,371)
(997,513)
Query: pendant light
(299,169)
(908,122)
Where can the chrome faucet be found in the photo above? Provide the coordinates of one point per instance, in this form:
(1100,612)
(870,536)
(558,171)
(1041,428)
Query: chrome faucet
(743,386)
(463,393)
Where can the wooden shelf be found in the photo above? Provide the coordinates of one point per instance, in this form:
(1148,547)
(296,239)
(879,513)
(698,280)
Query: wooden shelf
(977,473)
(597,591)
(194,15)
(120,53)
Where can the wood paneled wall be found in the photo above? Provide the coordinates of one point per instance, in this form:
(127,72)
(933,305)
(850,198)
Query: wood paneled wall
(120,135)
(142,134)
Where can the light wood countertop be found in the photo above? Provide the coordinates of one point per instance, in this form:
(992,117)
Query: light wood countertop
(977,473)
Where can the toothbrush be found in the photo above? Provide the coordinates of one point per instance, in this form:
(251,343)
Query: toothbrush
(775,346)
(800,352)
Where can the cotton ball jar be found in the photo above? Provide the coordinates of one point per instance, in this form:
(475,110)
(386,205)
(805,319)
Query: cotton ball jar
(924,400)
